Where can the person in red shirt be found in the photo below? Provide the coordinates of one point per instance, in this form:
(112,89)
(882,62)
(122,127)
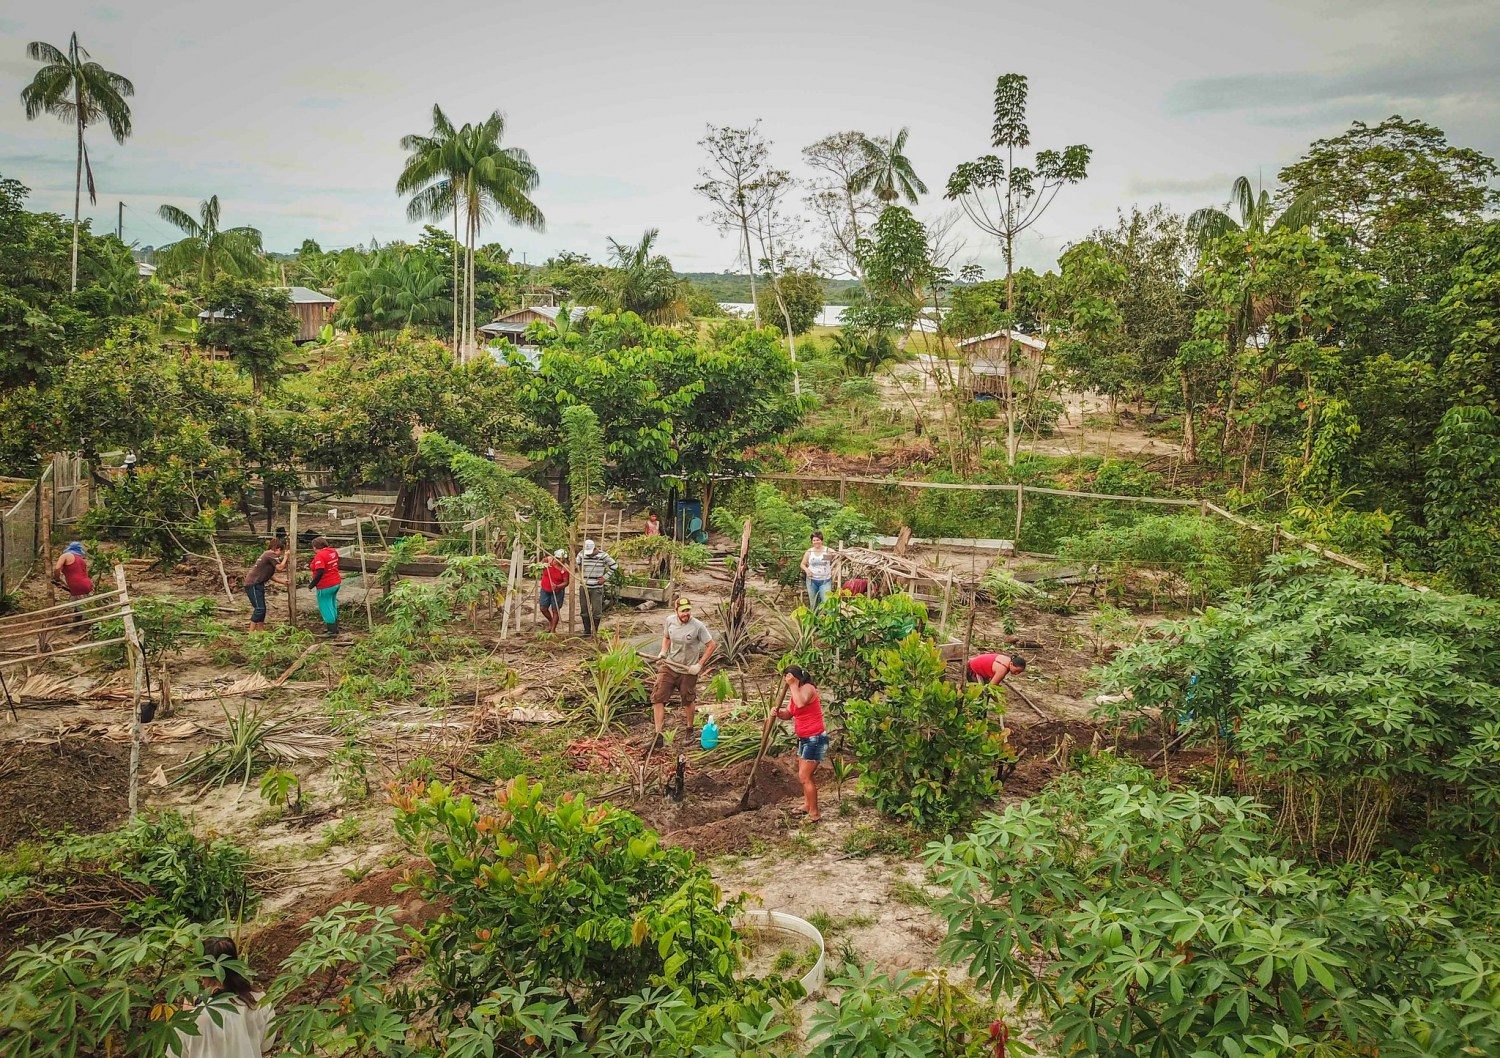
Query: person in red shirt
(993,668)
(804,709)
(857,586)
(326,579)
(555,577)
(71,571)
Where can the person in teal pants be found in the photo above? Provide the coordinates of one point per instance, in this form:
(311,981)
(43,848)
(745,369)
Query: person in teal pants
(326,580)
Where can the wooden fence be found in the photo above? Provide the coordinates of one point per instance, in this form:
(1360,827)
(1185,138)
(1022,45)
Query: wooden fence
(1206,508)
(58,497)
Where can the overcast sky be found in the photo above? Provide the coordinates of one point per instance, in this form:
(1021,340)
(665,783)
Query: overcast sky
(292,111)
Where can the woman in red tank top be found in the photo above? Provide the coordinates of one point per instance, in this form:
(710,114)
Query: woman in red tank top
(72,571)
(804,709)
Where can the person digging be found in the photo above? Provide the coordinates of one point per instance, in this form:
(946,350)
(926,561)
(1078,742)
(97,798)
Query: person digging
(991,669)
(686,646)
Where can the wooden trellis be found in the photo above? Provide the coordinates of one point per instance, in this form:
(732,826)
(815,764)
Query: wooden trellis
(39,629)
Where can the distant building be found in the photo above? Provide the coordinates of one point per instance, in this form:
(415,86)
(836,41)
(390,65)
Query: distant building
(988,364)
(144,270)
(311,308)
(512,325)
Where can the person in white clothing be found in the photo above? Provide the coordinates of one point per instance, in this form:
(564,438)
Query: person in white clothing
(817,567)
(233,1021)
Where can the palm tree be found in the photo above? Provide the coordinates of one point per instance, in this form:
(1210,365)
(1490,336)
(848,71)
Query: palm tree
(643,282)
(432,176)
(466,170)
(207,249)
(73,88)
(1206,225)
(391,289)
(887,171)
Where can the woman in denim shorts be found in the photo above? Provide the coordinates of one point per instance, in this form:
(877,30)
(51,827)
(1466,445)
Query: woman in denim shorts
(805,710)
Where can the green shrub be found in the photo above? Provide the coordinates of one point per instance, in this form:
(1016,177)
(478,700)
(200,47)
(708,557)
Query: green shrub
(902,1014)
(184,877)
(1193,555)
(1147,920)
(840,642)
(927,752)
(1349,701)
(562,892)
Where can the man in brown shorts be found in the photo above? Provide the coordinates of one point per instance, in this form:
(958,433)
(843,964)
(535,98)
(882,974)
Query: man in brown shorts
(686,646)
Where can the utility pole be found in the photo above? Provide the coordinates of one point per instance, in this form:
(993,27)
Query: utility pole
(120,223)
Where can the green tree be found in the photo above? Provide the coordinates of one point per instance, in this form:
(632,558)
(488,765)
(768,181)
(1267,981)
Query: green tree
(468,171)
(73,88)
(887,172)
(254,324)
(584,443)
(643,281)
(735,182)
(1257,215)
(207,250)
(1463,518)
(1388,183)
(391,289)
(802,293)
(1005,199)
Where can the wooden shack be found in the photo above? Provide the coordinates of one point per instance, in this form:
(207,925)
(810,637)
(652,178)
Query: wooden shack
(311,308)
(989,363)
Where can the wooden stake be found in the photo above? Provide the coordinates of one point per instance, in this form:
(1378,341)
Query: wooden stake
(291,568)
(1020,503)
(364,572)
(577,582)
(137,656)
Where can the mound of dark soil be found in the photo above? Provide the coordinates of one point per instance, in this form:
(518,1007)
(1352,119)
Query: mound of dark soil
(78,784)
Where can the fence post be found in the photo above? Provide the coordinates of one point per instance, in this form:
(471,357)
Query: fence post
(137,656)
(1020,502)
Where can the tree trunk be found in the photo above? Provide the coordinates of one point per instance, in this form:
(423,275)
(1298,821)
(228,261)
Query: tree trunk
(454,321)
(77,199)
(750,264)
(1010,367)
(1189,431)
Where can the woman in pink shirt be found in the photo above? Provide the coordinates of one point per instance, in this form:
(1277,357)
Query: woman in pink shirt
(804,709)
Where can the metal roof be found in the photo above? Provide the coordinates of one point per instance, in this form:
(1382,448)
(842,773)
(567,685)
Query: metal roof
(308,296)
(1015,336)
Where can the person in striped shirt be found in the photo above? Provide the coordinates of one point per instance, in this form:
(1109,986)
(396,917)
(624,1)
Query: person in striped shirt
(595,567)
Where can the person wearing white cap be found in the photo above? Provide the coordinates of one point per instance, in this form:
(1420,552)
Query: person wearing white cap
(595,565)
(555,577)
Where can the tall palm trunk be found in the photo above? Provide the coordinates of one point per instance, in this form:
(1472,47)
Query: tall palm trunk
(453,321)
(77,189)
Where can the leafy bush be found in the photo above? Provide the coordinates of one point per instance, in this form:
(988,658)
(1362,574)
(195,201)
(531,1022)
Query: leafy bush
(1193,554)
(779,533)
(271,651)
(1349,701)
(91,992)
(905,1014)
(925,746)
(840,642)
(838,524)
(155,866)
(584,897)
(1150,921)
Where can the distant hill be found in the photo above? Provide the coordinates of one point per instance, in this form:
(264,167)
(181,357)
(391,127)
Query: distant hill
(726,286)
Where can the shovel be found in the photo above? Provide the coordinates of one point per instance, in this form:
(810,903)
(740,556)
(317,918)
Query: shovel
(765,742)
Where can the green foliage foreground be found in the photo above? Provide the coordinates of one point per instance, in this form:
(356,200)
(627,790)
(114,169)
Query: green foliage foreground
(1154,921)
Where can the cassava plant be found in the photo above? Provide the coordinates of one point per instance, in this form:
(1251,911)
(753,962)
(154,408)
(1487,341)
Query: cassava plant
(1143,920)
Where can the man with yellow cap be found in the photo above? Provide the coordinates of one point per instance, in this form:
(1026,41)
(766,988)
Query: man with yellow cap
(686,646)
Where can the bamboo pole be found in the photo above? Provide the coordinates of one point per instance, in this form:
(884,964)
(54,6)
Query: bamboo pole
(364,572)
(27,659)
(137,655)
(577,584)
(223,576)
(1020,506)
(22,618)
(536,596)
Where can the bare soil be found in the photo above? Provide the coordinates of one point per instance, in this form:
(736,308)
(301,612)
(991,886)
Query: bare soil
(65,786)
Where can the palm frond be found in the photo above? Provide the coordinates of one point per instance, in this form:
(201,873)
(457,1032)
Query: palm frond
(181,220)
(41,51)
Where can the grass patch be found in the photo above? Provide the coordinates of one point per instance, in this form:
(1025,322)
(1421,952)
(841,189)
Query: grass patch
(345,832)
(877,840)
(540,754)
(904,892)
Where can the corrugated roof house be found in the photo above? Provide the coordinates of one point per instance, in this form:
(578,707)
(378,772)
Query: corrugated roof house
(312,309)
(988,363)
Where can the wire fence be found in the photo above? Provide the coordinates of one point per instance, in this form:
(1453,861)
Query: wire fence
(58,497)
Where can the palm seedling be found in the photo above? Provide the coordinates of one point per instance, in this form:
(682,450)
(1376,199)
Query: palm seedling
(615,680)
